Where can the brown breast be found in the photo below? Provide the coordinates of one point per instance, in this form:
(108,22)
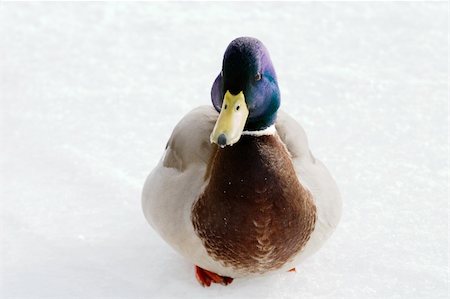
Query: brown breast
(254,215)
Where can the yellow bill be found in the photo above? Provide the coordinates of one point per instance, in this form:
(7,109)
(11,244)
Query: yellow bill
(231,121)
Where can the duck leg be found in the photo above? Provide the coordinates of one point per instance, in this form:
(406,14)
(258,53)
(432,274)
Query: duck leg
(205,277)
(293,270)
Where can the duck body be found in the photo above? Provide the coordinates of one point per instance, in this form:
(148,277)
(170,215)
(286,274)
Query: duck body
(174,200)
(249,198)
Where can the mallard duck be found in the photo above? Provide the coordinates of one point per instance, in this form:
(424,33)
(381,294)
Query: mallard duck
(237,191)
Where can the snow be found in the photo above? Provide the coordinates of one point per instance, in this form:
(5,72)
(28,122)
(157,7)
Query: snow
(91,91)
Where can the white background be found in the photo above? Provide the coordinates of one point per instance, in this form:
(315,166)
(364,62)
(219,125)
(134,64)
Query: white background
(90,93)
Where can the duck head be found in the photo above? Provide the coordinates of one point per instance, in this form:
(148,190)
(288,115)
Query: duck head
(245,93)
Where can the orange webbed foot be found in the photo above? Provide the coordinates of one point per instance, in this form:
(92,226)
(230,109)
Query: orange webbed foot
(205,277)
(293,270)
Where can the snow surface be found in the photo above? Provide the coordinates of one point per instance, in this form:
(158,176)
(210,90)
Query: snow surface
(91,91)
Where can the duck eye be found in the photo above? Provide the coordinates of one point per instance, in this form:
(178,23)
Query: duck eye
(226,106)
(258,77)
(237,108)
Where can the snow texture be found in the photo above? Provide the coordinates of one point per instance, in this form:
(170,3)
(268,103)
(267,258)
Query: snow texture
(91,91)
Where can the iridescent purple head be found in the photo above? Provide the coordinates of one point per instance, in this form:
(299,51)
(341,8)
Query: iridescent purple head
(247,68)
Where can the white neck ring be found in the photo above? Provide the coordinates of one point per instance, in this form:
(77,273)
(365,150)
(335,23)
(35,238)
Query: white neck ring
(267,131)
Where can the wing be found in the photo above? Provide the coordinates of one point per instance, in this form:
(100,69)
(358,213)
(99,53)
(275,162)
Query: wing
(315,176)
(310,171)
(176,182)
(294,137)
(189,143)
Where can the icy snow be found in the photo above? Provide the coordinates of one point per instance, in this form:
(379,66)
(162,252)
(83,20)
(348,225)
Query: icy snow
(89,93)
